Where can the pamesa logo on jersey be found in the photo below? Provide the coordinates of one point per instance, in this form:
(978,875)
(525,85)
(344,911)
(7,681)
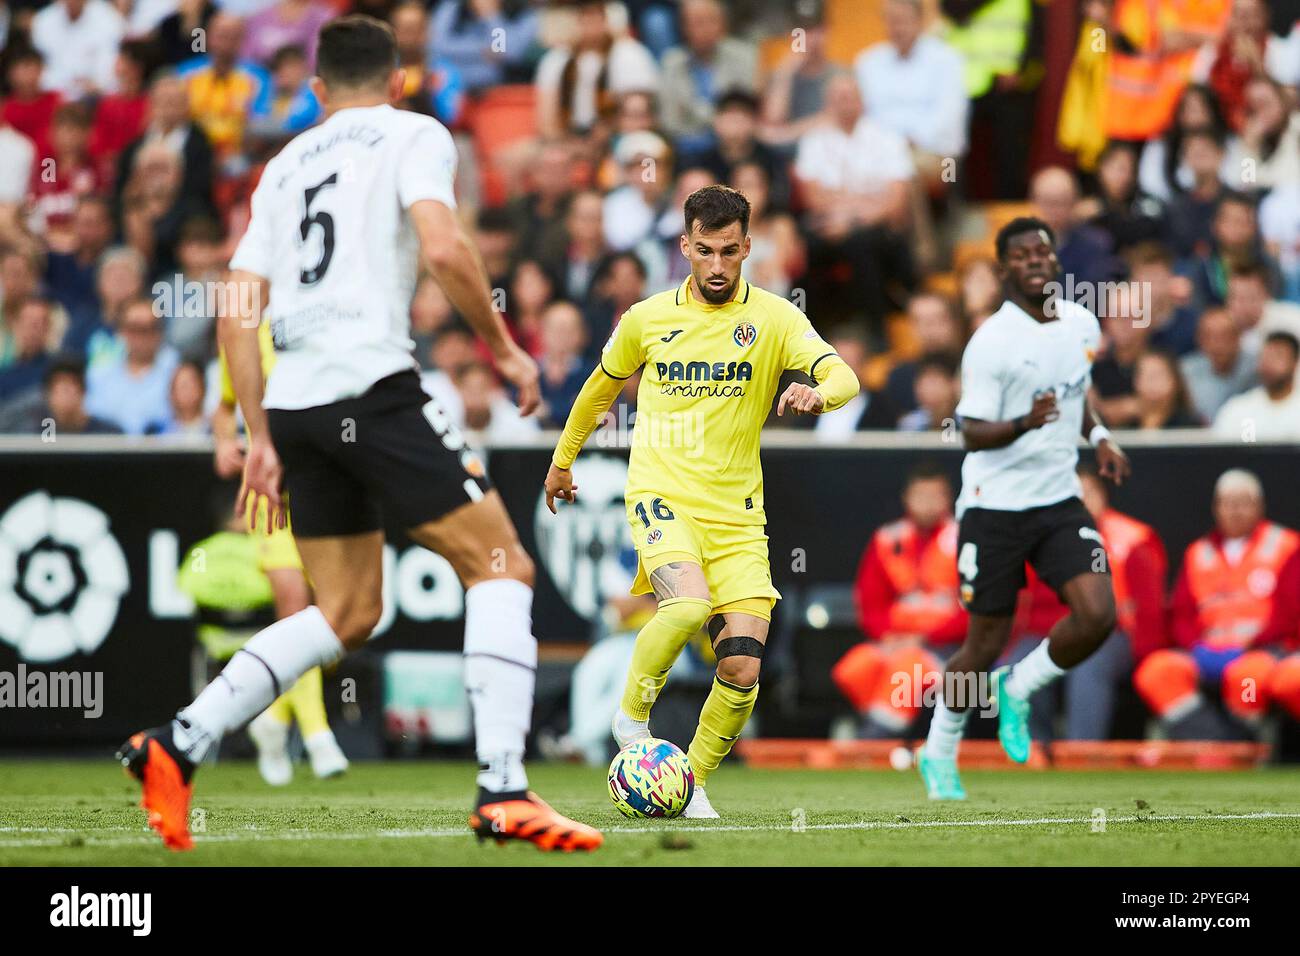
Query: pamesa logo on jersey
(744,334)
(62,577)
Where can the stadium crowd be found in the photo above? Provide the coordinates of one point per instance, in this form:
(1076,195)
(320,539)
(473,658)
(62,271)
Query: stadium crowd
(880,145)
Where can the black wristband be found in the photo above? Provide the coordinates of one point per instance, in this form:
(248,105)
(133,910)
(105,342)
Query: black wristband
(1019,424)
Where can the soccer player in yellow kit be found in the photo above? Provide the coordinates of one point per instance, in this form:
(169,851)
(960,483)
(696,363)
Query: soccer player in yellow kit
(277,557)
(713,351)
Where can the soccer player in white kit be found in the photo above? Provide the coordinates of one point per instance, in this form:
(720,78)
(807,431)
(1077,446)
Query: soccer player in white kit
(341,220)
(1025,376)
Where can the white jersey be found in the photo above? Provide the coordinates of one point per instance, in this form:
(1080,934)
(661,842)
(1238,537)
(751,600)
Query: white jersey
(1011,358)
(330,231)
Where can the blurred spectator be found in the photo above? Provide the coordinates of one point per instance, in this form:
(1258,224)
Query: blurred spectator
(67,175)
(992,37)
(1161,393)
(1162,172)
(120,116)
(488,42)
(1245,50)
(696,74)
(19,280)
(224,90)
(186,295)
(734,140)
(186,400)
(563,368)
(487,409)
(17,160)
(632,210)
(912,84)
(531,290)
(169,124)
(1233,613)
(936,390)
(285,23)
(79,40)
(1279,228)
(134,390)
(656,23)
(292,106)
(1126,337)
(1120,209)
(575,259)
(27,350)
(796,92)
(869,410)
(776,251)
(120,279)
(935,328)
(431,312)
(577,83)
(1270,137)
(661,251)
(29,108)
(906,594)
(980,292)
(538,214)
(61,410)
(494,235)
(432,84)
(71,276)
(856,178)
(1234,243)
(176,32)
(1191,212)
(1168,307)
(453,349)
(618,285)
(1085,252)
(1271,410)
(1219,368)
(1254,310)
(155,208)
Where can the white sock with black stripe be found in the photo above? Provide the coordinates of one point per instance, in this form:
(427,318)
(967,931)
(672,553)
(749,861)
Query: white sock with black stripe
(269,664)
(500,671)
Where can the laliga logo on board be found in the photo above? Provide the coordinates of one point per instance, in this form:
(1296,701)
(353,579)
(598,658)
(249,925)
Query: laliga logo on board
(62,577)
(744,335)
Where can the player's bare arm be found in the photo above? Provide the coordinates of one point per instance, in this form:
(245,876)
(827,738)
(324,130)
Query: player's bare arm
(983,435)
(451,256)
(228,454)
(237,329)
(1112,463)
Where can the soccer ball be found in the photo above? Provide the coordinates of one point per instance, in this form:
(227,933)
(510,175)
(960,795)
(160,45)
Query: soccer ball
(651,778)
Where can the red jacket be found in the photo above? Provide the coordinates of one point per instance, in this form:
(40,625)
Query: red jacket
(907,583)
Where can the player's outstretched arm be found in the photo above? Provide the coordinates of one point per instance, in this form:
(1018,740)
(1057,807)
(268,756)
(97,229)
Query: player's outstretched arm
(981,435)
(454,260)
(837,384)
(593,401)
(237,333)
(1112,463)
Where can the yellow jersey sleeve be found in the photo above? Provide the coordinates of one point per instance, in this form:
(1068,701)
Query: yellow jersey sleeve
(624,353)
(803,346)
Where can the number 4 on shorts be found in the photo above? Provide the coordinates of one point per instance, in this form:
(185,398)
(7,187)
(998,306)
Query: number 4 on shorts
(966,565)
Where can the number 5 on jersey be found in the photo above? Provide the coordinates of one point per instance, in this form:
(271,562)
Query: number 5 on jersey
(310,221)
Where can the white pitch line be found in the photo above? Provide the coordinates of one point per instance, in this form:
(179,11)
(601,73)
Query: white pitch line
(256,836)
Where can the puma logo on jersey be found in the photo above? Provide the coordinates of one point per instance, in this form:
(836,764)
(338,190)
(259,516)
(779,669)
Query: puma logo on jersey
(671,335)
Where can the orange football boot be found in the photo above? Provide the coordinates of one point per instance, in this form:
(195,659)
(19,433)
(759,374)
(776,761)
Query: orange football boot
(165,774)
(532,820)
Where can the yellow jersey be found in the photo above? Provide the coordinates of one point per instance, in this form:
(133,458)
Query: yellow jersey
(711,373)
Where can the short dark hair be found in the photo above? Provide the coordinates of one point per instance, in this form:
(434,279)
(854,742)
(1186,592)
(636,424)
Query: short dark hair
(736,97)
(356,50)
(1017,226)
(716,207)
(944,362)
(927,470)
(201,229)
(1236,198)
(65,364)
(1287,339)
(606,265)
(290,51)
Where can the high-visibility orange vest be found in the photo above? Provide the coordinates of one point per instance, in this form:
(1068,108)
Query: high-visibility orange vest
(1143,86)
(1233,600)
(1121,534)
(925,581)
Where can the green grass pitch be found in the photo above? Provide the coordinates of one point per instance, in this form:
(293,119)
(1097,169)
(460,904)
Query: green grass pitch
(413,813)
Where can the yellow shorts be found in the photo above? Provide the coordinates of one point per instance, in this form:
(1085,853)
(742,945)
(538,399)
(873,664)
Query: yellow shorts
(276,551)
(734,557)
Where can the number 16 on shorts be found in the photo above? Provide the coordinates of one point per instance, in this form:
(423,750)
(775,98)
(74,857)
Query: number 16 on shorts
(660,511)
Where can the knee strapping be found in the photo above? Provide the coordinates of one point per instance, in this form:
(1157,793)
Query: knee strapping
(738,647)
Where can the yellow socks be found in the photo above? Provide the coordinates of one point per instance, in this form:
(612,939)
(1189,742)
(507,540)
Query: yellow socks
(722,719)
(657,647)
(308,702)
(281,711)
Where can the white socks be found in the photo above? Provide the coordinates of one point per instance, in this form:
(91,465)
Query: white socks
(269,664)
(500,670)
(1035,670)
(946,728)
